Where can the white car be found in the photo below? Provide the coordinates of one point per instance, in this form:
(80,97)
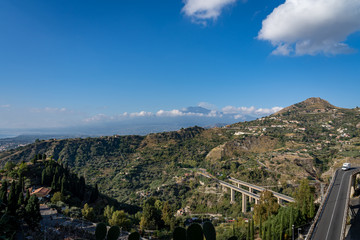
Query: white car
(346,166)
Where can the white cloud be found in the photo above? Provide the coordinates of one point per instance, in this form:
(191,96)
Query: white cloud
(178,113)
(202,10)
(172,113)
(239,112)
(50,110)
(141,114)
(235,110)
(228,111)
(265,111)
(311,27)
(5,106)
(97,118)
(239,116)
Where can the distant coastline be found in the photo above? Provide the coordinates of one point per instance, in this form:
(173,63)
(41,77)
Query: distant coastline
(2,136)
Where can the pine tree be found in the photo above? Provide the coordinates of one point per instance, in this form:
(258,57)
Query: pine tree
(108,212)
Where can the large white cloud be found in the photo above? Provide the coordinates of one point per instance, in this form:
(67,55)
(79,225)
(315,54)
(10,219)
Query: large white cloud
(302,27)
(202,10)
(239,112)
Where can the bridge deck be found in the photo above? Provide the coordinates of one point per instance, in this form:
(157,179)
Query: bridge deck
(250,194)
(279,195)
(329,225)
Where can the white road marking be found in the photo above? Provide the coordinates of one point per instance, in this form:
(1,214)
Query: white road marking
(332,216)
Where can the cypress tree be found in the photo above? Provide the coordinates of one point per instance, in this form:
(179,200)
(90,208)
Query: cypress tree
(3,192)
(12,199)
(312,207)
(281,226)
(33,160)
(304,209)
(94,194)
(32,211)
(58,184)
(82,187)
(22,184)
(43,177)
(20,199)
(291,222)
(17,188)
(53,184)
(252,233)
(63,182)
(260,228)
(27,197)
(248,231)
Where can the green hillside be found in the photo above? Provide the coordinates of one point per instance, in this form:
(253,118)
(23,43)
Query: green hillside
(304,140)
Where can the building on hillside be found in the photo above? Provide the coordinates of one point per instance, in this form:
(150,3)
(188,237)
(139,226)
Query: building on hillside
(183,211)
(41,193)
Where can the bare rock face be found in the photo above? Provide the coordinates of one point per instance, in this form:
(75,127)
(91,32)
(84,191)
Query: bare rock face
(358,125)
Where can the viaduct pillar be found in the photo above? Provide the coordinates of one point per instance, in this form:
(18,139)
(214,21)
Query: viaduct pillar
(232,195)
(244,203)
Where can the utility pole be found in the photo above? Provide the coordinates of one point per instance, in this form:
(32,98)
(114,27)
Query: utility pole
(293,236)
(299,229)
(322,191)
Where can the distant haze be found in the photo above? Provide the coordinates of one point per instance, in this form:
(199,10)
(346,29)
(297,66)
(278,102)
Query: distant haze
(143,123)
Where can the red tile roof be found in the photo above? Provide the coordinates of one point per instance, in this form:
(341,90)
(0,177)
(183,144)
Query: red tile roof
(41,192)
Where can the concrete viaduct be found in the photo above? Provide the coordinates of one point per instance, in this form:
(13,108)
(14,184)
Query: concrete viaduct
(251,193)
(253,197)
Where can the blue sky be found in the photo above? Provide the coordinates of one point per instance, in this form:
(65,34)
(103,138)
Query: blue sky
(64,63)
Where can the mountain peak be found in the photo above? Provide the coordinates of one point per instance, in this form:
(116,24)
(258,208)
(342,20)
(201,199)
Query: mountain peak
(313,104)
(316,101)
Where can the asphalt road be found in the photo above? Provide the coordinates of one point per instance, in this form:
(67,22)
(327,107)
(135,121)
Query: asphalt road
(330,223)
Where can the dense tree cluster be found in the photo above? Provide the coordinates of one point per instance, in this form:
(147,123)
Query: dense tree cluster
(59,178)
(157,215)
(276,222)
(17,206)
